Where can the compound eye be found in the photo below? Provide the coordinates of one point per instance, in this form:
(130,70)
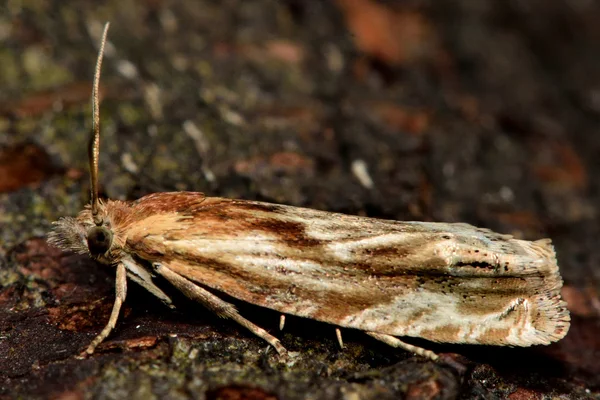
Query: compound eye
(99,240)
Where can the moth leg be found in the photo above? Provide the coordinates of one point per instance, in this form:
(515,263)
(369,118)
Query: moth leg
(281,322)
(395,342)
(215,304)
(138,273)
(121,293)
(338,335)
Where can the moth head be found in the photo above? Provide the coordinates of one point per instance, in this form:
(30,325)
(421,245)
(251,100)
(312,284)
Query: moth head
(81,235)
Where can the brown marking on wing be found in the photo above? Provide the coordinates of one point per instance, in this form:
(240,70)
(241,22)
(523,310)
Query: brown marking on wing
(479,295)
(292,233)
(332,306)
(170,202)
(267,219)
(496,335)
(443,334)
(329,305)
(483,304)
(389,252)
(257,206)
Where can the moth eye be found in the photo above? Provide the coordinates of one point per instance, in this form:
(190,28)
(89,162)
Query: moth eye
(99,240)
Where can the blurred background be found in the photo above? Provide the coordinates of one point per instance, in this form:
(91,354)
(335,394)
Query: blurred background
(484,112)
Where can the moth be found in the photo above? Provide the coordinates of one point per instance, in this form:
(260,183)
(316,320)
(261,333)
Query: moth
(444,282)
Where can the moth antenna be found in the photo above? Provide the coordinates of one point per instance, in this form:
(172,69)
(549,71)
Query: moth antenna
(94,145)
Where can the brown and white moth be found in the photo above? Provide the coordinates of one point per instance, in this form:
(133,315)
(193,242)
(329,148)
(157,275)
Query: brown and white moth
(450,283)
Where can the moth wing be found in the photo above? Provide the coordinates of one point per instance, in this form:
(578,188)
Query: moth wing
(443,282)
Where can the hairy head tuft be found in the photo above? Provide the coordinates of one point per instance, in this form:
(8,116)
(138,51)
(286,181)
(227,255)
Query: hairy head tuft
(69,234)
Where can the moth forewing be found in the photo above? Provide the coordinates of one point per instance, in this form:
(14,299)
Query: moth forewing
(451,283)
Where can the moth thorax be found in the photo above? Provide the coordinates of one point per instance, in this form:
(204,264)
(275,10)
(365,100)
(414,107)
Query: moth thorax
(99,240)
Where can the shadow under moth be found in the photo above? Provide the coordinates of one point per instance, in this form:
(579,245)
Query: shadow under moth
(444,282)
